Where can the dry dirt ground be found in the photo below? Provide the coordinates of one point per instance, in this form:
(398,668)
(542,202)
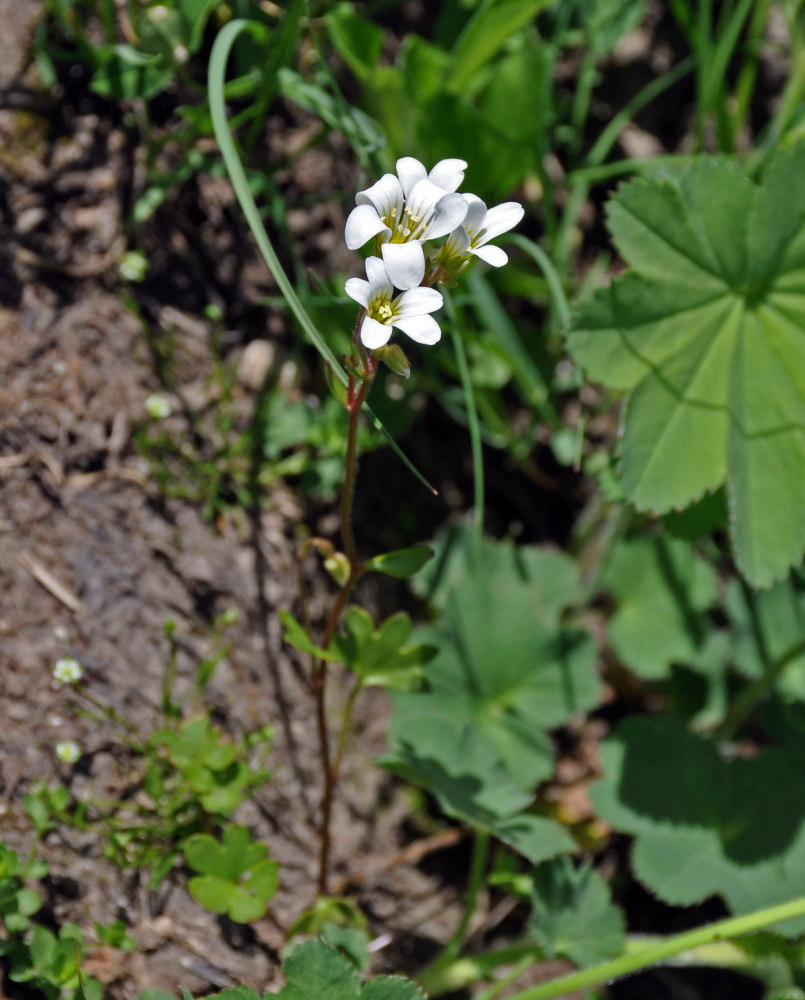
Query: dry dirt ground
(93,561)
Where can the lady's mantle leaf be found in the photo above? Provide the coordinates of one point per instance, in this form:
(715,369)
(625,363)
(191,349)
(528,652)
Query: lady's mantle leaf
(478,739)
(573,914)
(659,580)
(703,824)
(314,969)
(707,332)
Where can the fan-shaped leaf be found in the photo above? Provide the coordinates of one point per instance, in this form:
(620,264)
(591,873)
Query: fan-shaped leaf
(707,332)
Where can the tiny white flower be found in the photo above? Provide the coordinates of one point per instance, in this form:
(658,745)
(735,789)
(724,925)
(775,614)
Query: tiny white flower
(158,407)
(405,210)
(67,670)
(133,265)
(68,751)
(408,311)
(481,225)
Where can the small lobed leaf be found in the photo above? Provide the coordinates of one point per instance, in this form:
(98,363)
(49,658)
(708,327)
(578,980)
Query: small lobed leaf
(296,636)
(573,915)
(213,893)
(314,969)
(705,825)
(478,738)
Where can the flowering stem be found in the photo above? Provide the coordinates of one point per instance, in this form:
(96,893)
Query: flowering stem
(354,403)
(474,428)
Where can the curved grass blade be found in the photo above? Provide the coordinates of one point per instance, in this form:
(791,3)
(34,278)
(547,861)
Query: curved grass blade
(215,84)
(543,261)
(474,427)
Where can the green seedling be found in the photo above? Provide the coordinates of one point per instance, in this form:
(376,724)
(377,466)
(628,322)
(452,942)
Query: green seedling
(236,877)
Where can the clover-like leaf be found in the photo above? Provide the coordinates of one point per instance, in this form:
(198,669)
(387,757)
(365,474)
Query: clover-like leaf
(707,333)
(236,876)
(704,824)
(380,657)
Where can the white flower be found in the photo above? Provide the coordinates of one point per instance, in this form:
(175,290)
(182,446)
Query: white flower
(405,210)
(481,225)
(67,670)
(68,751)
(408,311)
(158,407)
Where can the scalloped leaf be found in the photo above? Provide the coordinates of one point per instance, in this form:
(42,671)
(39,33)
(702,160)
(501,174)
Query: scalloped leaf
(703,824)
(768,631)
(479,737)
(573,915)
(314,969)
(707,333)
(661,581)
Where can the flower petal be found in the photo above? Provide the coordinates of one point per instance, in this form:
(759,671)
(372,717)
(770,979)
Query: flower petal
(363,223)
(379,281)
(387,197)
(492,255)
(457,244)
(358,289)
(448,174)
(501,219)
(405,263)
(410,170)
(374,334)
(476,215)
(449,214)
(417,301)
(422,329)
(421,205)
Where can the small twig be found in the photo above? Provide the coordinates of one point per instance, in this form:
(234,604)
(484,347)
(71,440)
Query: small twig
(408,855)
(45,578)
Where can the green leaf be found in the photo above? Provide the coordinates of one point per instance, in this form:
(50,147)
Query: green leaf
(214,894)
(401,563)
(485,34)
(573,916)
(357,40)
(535,837)
(380,657)
(662,590)
(314,970)
(478,739)
(706,332)
(766,632)
(703,824)
(296,636)
(391,988)
(229,858)
(238,879)
(552,576)
(350,941)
